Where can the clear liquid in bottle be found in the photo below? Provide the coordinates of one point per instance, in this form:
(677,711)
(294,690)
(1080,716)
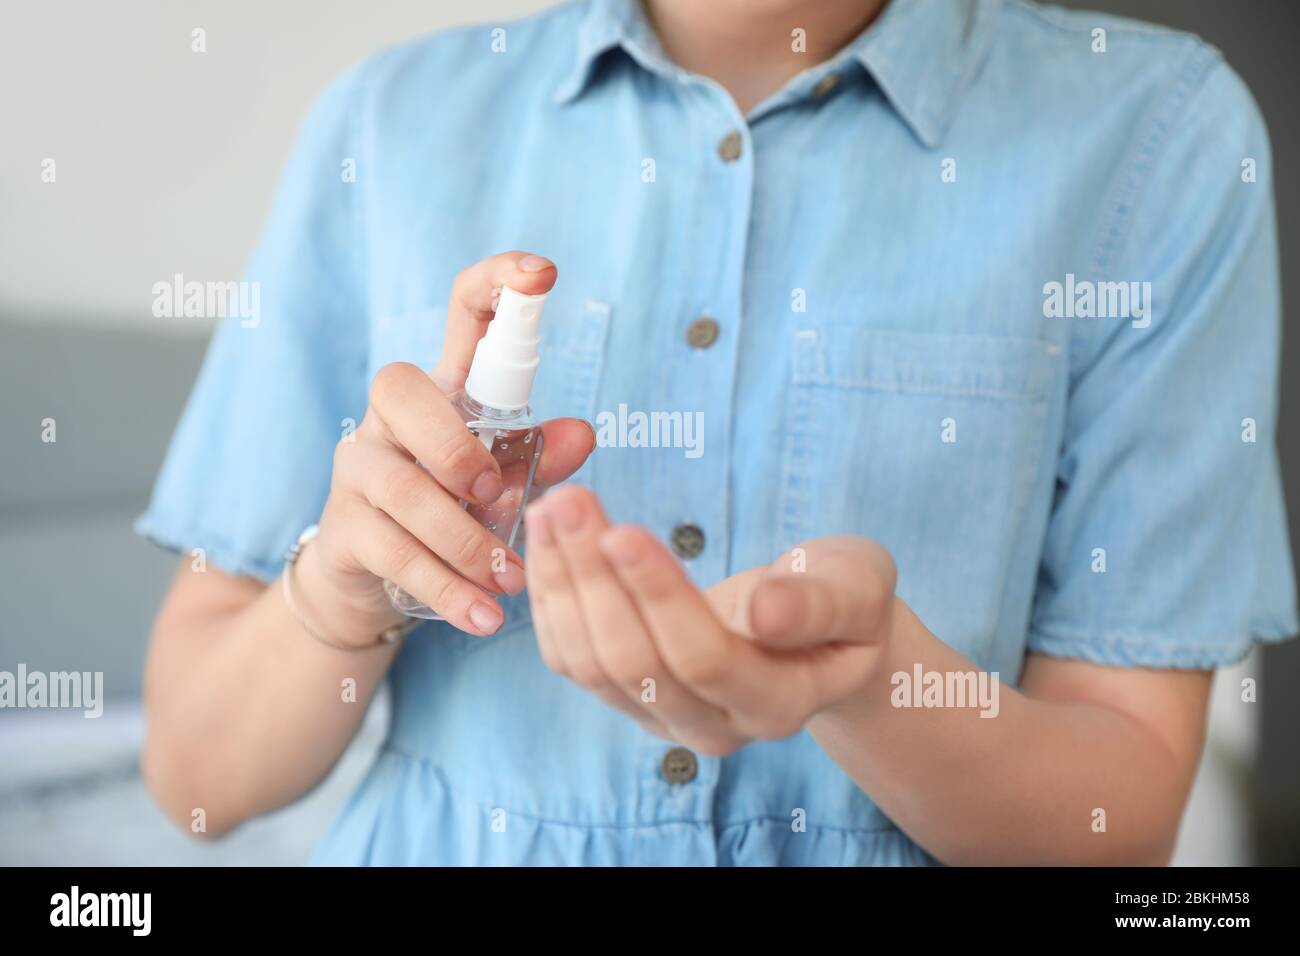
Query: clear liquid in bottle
(515,440)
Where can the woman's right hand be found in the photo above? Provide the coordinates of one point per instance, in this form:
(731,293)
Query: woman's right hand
(394,505)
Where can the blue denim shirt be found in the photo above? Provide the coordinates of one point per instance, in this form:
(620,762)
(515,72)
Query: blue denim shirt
(992,287)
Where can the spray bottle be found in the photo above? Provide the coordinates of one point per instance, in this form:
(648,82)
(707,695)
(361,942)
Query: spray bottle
(494,406)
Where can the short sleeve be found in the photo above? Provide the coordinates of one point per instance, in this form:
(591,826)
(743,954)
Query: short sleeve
(1167,545)
(249,465)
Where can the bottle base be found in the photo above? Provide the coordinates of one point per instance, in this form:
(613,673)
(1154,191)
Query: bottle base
(408,605)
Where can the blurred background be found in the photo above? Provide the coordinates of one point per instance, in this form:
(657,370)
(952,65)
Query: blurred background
(165,162)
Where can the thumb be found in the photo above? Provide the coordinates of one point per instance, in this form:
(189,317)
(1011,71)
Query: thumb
(835,590)
(566,444)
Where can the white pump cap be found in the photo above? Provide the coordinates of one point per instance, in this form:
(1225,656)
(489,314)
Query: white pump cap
(505,360)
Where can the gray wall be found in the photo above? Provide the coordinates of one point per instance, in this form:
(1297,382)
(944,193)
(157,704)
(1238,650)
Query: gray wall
(166,159)
(77,589)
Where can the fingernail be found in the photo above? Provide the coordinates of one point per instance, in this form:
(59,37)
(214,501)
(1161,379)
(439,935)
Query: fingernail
(621,548)
(485,617)
(510,580)
(534,264)
(487,487)
(566,512)
(539,530)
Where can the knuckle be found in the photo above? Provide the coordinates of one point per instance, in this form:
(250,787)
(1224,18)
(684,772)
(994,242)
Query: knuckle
(343,448)
(445,595)
(354,447)
(459,453)
(470,550)
(344,454)
(463,278)
(403,556)
(702,670)
(388,382)
(405,483)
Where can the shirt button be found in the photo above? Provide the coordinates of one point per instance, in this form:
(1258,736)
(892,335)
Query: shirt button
(679,766)
(688,541)
(826,84)
(702,333)
(730,147)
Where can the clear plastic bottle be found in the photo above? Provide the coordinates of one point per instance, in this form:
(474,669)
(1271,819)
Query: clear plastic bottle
(494,406)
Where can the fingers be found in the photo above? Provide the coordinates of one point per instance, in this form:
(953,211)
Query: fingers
(408,494)
(473,303)
(613,608)
(562,636)
(624,651)
(830,617)
(843,594)
(419,419)
(567,442)
(389,551)
(717,665)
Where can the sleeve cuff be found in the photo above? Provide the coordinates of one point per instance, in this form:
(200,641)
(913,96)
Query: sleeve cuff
(177,537)
(1141,650)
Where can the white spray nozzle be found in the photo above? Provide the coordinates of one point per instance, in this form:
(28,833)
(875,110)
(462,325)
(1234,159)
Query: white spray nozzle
(505,360)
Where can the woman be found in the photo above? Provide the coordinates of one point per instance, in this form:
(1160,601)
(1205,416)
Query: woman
(979,305)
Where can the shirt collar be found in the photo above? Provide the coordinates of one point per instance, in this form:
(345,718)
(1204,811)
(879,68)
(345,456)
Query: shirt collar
(923,54)
(605,25)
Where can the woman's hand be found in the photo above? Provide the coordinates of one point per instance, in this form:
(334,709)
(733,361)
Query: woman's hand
(754,657)
(387,517)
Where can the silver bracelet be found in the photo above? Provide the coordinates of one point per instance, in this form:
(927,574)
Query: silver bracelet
(389,635)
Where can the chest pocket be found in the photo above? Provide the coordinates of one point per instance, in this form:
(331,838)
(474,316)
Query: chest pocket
(571,358)
(928,443)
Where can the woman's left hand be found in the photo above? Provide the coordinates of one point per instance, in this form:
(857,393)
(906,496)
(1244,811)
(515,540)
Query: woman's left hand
(754,657)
